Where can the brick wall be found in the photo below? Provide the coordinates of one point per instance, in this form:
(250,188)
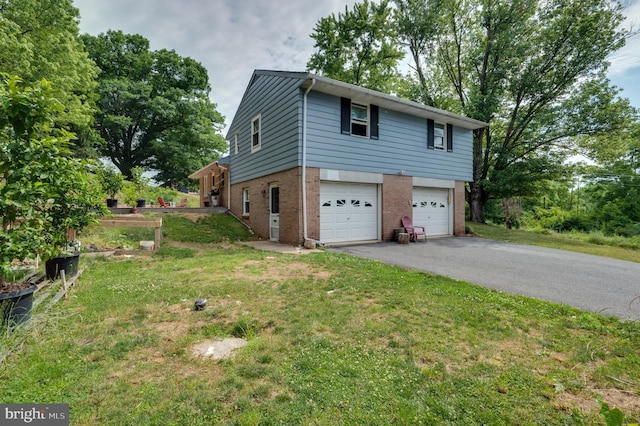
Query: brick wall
(458,209)
(290,204)
(313,203)
(397,196)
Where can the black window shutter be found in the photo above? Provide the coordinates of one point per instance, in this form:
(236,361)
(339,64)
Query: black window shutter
(449,138)
(345,116)
(430,135)
(374,121)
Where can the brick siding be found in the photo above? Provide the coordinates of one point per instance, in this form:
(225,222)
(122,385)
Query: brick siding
(397,198)
(458,209)
(290,204)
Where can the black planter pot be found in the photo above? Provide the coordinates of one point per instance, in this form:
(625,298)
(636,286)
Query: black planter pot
(112,202)
(15,307)
(66,262)
(141,203)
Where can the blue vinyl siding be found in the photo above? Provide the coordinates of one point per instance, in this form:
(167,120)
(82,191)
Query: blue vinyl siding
(278,100)
(402,145)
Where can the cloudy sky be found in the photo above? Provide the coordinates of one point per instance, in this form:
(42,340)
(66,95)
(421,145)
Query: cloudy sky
(231,38)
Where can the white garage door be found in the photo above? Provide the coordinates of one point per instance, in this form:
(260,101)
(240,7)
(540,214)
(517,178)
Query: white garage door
(431,208)
(348,212)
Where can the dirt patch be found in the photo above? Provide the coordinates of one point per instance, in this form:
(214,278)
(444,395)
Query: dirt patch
(259,269)
(218,349)
(194,217)
(172,330)
(626,401)
(12,287)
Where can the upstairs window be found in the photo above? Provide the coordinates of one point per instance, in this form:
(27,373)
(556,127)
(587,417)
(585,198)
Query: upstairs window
(256,133)
(439,135)
(236,142)
(358,119)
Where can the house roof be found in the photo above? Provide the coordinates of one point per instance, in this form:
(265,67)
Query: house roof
(209,168)
(368,96)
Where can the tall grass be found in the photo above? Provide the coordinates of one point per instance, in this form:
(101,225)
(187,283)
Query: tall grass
(596,243)
(599,238)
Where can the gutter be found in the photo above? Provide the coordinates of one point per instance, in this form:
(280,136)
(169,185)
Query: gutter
(304,162)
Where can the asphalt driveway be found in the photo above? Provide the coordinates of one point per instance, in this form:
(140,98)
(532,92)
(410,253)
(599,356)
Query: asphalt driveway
(593,283)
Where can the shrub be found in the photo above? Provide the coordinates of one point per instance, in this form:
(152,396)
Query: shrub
(110,180)
(631,230)
(44,191)
(557,219)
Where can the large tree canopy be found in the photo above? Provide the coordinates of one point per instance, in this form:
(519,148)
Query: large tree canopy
(39,40)
(533,70)
(358,46)
(154,106)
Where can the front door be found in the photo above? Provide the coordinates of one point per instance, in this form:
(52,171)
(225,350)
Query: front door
(274,212)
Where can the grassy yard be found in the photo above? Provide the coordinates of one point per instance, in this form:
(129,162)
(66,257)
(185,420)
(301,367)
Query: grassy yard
(596,244)
(332,339)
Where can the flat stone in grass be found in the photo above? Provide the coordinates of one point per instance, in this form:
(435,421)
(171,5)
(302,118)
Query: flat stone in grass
(219,349)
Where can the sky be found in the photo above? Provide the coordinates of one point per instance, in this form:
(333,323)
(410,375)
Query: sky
(232,38)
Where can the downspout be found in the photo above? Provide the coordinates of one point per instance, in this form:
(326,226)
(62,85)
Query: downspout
(304,162)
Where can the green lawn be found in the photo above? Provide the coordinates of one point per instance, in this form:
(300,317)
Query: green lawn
(333,339)
(596,244)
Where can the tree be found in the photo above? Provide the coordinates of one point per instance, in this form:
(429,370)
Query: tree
(154,106)
(613,188)
(418,23)
(39,40)
(533,71)
(43,189)
(358,47)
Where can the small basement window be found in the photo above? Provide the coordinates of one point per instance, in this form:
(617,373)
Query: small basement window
(245,202)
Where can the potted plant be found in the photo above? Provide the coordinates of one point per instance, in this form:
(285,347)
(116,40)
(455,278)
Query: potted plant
(131,196)
(111,181)
(36,192)
(139,182)
(74,204)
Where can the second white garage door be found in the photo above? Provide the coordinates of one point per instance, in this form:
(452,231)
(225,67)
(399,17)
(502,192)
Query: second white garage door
(431,208)
(348,212)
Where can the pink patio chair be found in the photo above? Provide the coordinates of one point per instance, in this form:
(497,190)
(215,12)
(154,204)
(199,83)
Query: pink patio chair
(413,230)
(162,202)
(183,204)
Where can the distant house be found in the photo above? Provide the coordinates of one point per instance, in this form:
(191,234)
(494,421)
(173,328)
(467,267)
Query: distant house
(214,188)
(311,158)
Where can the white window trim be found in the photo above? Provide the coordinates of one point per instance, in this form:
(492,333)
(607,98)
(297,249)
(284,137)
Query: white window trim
(444,137)
(236,142)
(367,123)
(257,147)
(245,202)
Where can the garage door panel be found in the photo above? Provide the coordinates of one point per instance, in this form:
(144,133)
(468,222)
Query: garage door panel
(348,212)
(431,208)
